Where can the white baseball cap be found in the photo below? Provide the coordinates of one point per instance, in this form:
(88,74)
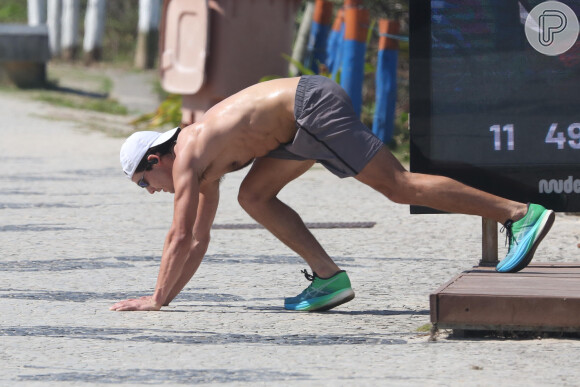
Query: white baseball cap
(135,147)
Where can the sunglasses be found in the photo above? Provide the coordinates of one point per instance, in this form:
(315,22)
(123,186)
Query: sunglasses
(142,182)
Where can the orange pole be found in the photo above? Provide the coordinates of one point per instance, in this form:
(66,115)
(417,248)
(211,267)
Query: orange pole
(338,20)
(356,20)
(390,27)
(323,12)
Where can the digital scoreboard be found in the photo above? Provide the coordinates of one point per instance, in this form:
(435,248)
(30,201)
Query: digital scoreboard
(495,97)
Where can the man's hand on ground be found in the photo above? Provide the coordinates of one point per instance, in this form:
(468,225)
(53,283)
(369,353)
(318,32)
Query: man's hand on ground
(143,303)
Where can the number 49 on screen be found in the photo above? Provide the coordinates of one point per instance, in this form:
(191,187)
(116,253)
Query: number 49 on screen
(559,138)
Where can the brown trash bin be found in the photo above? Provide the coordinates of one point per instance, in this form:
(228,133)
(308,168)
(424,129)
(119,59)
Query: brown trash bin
(212,49)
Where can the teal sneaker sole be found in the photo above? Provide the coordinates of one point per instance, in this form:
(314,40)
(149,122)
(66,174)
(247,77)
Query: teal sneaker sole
(520,262)
(323,303)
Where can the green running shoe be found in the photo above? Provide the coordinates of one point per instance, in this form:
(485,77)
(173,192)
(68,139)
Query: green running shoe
(524,237)
(322,294)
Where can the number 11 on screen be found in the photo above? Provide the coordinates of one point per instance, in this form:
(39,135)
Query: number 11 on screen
(497,130)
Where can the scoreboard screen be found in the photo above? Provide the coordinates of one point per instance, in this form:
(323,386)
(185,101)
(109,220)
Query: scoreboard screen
(495,97)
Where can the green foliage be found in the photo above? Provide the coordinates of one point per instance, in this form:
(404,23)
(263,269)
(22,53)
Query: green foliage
(424,328)
(104,105)
(269,78)
(119,41)
(168,113)
(301,68)
(13,11)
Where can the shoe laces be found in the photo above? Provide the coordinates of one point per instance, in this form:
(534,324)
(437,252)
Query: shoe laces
(509,235)
(309,277)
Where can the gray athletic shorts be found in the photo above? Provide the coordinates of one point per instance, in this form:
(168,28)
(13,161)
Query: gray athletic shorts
(328,129)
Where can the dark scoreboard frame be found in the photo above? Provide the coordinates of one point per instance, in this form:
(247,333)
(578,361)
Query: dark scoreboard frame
(516,182)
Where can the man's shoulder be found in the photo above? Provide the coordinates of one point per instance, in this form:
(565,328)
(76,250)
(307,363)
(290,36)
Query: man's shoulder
(188,146)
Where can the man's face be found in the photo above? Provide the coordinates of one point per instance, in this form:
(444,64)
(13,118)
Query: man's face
(159,177)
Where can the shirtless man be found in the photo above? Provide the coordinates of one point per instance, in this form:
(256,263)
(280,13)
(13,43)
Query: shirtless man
(285,126)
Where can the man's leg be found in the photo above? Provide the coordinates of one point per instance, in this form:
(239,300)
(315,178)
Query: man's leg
(258,197)
(525,226)
(385,174)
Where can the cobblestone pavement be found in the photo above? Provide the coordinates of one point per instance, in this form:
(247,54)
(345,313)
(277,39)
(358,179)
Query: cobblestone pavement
(76,237)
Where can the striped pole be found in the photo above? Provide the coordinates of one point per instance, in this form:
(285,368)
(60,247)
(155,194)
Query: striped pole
(334,44)
(386,80)
(319,30)
(356,20)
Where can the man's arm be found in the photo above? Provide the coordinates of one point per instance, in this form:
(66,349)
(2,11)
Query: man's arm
(178,242)
(206,210)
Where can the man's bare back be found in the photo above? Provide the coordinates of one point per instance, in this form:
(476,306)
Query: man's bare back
(240,128)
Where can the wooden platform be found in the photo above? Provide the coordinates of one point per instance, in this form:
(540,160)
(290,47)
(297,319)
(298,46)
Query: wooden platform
(542,297)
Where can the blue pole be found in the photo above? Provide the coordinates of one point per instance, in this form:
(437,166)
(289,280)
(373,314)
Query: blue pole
(334,52)
(386,95)
(353,51)
(333,46)
(317,45)
(353,63)
(386,80)
(319,30)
